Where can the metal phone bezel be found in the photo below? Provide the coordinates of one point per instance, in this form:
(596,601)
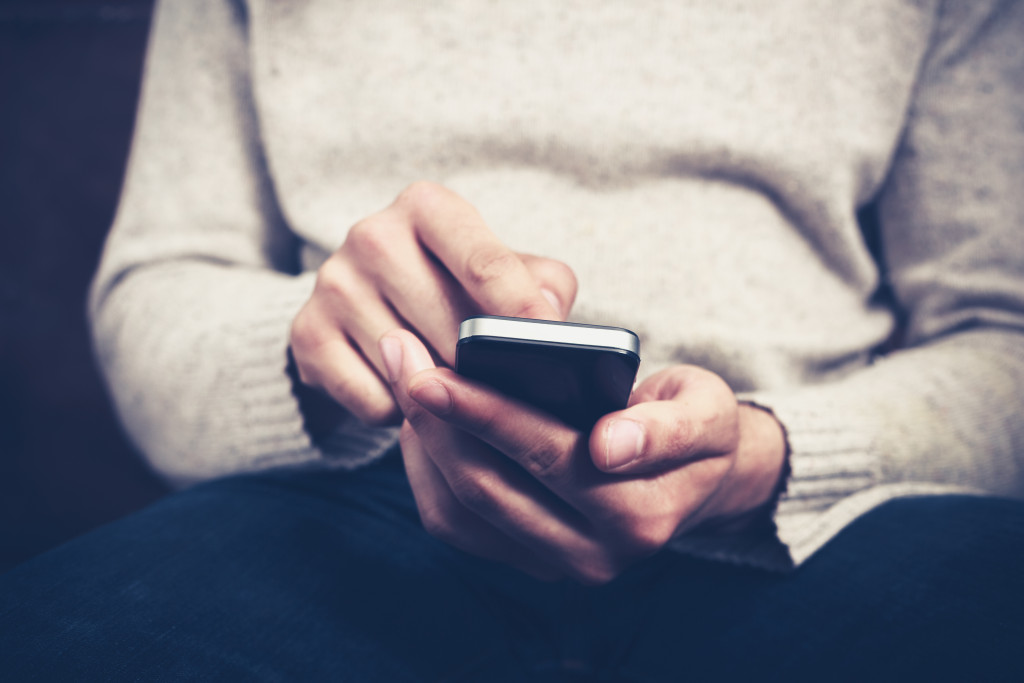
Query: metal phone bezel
(552,332)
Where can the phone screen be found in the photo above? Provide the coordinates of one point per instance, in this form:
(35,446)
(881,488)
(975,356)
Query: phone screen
(576,383)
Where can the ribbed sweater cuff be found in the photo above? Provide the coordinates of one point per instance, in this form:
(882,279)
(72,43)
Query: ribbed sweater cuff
(832,464)
(276,430)
(832,467)
(255,403)
(259,418)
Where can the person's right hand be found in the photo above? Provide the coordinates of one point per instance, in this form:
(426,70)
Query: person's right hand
(425,263)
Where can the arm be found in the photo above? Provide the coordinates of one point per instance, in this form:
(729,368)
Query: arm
(196,302)
(939,415)
(942,413)
(194,296)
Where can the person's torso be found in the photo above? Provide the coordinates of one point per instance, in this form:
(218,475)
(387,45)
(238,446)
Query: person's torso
(699,165)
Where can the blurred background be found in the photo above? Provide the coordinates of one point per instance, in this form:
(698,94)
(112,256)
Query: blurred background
(69,80)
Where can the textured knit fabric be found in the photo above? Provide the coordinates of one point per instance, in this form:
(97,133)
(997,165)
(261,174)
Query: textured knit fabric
(699,165)
(309,576)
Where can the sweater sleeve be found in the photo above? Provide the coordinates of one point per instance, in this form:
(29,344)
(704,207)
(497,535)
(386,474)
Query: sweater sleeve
(942,414)
(195,294)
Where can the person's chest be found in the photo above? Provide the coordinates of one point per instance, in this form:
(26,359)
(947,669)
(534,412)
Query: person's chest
(358,94)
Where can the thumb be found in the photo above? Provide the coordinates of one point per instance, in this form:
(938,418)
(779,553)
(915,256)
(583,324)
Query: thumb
(690,414)
(556,280)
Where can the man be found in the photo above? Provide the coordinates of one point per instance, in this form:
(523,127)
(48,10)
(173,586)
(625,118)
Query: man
(691,172)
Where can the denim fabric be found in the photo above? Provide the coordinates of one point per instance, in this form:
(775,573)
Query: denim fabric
(303,576)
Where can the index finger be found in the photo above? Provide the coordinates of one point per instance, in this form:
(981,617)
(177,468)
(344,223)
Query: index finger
(552,452)
(492,274)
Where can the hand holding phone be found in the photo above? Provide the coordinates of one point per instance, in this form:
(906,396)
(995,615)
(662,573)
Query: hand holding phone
(422,264)
(576,372)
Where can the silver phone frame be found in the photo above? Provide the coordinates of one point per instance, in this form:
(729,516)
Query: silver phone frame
(552,332)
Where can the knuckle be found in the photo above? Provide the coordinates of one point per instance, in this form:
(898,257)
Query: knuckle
(420,194)
(650,538)
(647,536)
(371,405)
(684,376)
(559,274)
(333,278)
(305,333)
(596,572)
(489,264)
(436,523)
(641,529)
(476,491)
(380,412)
(371,239)
(444,519)
(544,459)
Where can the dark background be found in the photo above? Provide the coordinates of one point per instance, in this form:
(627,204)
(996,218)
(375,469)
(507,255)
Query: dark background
(69,81)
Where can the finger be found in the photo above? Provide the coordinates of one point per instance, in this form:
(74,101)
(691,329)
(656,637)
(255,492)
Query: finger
(493,276)
(448,520)
(327,361)
(558,457)
(679,415)
(352,305)
(546,448)
(557,281)
(484,481)
(384,252)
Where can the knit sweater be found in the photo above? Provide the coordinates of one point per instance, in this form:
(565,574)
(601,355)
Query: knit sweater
(699,165)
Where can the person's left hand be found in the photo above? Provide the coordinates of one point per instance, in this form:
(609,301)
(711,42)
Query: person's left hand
(507,482)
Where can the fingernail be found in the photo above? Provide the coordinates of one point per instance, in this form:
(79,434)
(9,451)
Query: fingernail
(624,441)
(433,396)
(391,352)
(553,300)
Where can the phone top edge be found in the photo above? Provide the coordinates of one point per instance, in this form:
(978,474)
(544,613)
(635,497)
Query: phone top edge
(555,332)
(535,343)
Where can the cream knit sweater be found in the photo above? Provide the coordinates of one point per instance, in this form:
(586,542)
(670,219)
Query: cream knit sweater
(700,165)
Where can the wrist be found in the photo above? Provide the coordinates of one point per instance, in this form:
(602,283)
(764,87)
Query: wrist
(761,457)
(758,473)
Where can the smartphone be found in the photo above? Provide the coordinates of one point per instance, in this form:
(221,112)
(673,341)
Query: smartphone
(576,372)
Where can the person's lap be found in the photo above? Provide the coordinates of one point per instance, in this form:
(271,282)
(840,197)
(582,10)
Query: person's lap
(329,575)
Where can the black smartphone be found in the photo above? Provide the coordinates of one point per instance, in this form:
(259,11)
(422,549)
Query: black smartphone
(576,372)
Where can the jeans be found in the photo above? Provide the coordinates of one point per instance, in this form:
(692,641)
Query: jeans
(303,576)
